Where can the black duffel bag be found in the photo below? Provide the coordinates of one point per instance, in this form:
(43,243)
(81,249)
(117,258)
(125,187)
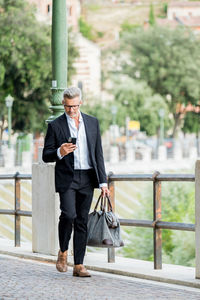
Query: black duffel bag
(104,226)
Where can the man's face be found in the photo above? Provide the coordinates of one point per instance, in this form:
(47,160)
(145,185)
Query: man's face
(72,106)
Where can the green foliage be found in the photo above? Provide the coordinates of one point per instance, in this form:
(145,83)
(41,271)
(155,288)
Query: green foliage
(163,13)
(25,65)
(126,26)
(191,122)
(100,34)
(167,60)
(94,7)
(25,56)
(152,20)
(86,29)
(72,55)
(102,113)
(177,206)
(165,8)
(135,99)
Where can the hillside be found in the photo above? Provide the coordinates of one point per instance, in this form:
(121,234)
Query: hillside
(107,17)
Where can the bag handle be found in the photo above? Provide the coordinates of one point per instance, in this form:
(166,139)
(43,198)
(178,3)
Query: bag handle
(103,203)
(95,208)
(107,199)
(109,203)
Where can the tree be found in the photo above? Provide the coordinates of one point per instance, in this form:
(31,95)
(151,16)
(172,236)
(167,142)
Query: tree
(102,113)
(127,26)
(167,60)
(192,123)
(152,20)
(86,29)
(25,65)
(135,99)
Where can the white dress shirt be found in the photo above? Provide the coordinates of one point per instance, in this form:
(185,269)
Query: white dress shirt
(81,153)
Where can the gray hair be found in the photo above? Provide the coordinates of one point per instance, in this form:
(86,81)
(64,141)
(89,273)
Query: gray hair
(72,92)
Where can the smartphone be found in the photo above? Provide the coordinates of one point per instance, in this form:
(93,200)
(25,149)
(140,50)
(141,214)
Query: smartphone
(71,140)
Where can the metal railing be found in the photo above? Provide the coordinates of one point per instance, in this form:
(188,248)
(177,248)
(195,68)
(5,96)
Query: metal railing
(17,212)
(156,224)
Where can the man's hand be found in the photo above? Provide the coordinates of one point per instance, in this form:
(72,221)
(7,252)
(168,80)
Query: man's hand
(67,148)
(105,191)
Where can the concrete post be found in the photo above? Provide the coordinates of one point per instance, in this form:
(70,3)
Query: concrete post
(197,217)
(130,154)
(146,154)
(45,210)
(177,153)
(162,153)
(193,154)
(9,157)
(114,154)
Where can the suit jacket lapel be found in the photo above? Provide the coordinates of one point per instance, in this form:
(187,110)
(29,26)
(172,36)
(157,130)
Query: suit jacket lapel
(66,132)
(88,131)
(64,126)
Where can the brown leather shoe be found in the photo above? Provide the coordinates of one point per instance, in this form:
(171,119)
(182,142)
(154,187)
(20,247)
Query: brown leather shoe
(80,271)
(61,264)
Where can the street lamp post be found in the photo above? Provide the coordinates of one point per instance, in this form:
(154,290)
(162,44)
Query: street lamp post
(9,102)
(59,57)
(161,115)
(114,113)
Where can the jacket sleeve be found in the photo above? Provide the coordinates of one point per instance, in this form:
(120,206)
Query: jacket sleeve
(50,146)
(99,158)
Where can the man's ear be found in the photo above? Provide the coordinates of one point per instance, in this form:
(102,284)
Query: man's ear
(63,102)
(81,102)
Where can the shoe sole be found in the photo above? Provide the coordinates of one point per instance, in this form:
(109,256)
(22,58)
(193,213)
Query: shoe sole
(78,275)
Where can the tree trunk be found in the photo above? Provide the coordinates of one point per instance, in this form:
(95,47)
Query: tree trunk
(197,141)
(177,122)
(2,129)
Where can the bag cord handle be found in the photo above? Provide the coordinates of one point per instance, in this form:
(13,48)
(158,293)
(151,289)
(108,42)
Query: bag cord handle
(103,203)
(95,208)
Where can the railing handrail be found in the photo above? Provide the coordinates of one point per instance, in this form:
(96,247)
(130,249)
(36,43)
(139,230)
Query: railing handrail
(16,175)
(120,177)
(149,177)
(22,213)
(158,224)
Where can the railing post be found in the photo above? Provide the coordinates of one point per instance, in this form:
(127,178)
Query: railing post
(111,185)
(197,217)
(17,208)
(157,233)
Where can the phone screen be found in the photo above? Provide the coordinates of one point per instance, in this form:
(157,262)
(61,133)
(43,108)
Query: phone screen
(72,140)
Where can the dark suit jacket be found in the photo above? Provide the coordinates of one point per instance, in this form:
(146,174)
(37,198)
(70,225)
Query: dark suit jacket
(58,133)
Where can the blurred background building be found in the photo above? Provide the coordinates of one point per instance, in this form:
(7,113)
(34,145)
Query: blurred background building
(186,13)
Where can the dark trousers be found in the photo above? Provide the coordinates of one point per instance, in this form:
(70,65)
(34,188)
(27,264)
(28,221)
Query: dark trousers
(75,205)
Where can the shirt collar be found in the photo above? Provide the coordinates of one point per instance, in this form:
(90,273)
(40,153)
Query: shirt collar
(70,119)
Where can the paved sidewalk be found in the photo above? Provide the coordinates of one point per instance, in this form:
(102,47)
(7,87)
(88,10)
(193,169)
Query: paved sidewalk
(123,266)
(26,279)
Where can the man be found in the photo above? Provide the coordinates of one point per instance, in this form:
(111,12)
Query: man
(79,169)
